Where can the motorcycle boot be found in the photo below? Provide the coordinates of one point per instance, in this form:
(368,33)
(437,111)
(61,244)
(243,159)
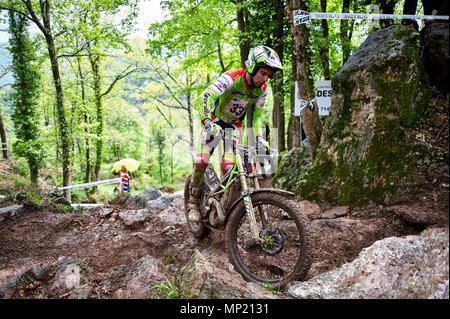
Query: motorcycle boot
(194,214)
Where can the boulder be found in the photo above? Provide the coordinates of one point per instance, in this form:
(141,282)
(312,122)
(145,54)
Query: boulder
(135,218)
(410,267)
(291,167)
(420,215)
(151,193)
(137,278)
(163,202)
(69,277)
(9,209)
(312,210)
(136,201)
(365,149)
(204,280)
(174,214)
(335,212)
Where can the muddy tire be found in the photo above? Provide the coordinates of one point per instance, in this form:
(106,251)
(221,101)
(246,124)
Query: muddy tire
(286,257)
(199,230)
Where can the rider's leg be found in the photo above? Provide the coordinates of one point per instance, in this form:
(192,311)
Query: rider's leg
(206,149)
(228,157)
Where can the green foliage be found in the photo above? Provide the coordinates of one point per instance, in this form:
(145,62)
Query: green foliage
(170,289)
(145,115)
(269,287)
(24,95)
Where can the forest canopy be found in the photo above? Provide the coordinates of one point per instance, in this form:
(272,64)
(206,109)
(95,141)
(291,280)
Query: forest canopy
(108,91)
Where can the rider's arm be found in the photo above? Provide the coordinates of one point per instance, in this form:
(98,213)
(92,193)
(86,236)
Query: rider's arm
(258,123)
(212,93)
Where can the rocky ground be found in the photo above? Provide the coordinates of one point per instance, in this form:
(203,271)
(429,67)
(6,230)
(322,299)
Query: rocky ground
(126,248)
(121,251)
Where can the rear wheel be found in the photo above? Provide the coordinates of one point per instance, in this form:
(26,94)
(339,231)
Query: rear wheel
(285,254)
(199,230)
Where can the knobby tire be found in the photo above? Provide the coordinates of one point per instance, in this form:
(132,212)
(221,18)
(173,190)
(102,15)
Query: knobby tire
(277,264)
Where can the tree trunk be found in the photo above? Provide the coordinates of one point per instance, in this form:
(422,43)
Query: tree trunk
(294,133)
(191,124)
(278,94)
(3,144)
(244,49)
(324,51)
(96,83)
(344,32)
(310,118)
(410,7)
(387,7)
(244,30)
(219,53)
(86,122)
(294,136)
(65,144)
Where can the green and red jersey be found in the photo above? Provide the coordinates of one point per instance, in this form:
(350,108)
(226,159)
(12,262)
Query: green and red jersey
(229,97)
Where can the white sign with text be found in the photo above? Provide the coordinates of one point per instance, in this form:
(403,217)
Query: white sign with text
(323,97)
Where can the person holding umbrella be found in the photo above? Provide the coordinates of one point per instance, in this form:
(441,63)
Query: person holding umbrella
(125,166)
(123,173)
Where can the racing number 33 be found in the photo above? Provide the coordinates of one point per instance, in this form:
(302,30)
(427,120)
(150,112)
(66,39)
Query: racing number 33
(237,109)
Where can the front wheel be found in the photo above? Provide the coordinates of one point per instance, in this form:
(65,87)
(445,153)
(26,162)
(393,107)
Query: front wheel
(285,254)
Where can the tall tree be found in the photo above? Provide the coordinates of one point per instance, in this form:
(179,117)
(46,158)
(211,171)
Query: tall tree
(386,7)
(346,31)
(410,7)
(302,74)
(199,35)
(324,50)
(100,36)
(242,19)
(3,144)
(26,92)
(40,12)
(278,91)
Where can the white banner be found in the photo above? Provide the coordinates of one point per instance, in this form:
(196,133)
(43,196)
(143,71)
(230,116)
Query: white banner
(87,185)
(299,103)
(323,97)
(301,16)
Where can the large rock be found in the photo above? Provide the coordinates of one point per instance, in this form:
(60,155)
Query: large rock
(69,277)
(337,241)
(410,267)
(151,193)
(137,279)
(365,149)
(435,54)
(420,215)
(136,201)
(292,166)
(163,202)
(135,218)
(204,280)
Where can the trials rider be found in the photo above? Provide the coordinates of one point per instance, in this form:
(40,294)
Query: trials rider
(222,109)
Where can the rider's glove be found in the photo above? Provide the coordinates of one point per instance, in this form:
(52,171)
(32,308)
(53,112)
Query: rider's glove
(261,144)
(212,128)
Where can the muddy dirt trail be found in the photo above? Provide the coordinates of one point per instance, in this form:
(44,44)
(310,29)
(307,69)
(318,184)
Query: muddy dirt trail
(109,244)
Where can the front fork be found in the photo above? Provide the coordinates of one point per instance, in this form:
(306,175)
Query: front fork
(248,201)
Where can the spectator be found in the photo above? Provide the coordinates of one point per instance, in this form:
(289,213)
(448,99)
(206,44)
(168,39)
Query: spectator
(126,176)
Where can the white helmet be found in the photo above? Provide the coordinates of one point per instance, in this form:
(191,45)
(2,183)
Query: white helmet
(262,56)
